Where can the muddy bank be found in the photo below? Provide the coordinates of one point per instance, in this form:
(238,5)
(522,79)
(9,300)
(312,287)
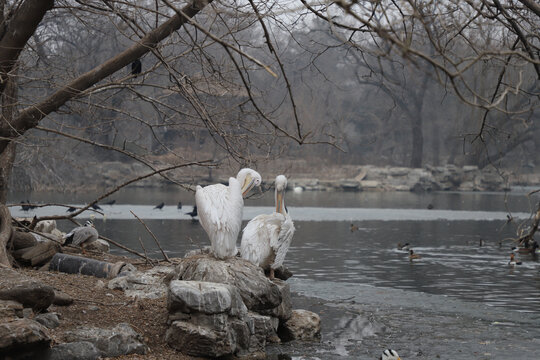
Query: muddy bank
(359,321)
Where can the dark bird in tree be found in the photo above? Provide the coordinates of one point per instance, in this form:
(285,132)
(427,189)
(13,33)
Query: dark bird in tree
(136,67)
(160,206)
(110,202)
(179,205)
(193,213)
(96,207)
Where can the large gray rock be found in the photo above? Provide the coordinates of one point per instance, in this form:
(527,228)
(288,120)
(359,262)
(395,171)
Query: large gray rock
(284,310)
(204,297)
(25,290)
(23,335)
(258,293)
(120,340)
(81,350)
(141,284)
(303,325)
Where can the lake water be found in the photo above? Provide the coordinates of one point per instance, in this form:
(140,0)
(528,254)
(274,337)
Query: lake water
(326,255)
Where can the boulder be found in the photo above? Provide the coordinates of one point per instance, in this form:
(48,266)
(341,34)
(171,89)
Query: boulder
(98,245)
(284,310)
(303,325)
(257,292)
(28,292)
(80,350)
(144,285)
(23,335)
(120,340)
(204,297)
(49,320)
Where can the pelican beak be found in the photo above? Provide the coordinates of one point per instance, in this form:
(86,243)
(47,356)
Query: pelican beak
(247,185)
(279,202)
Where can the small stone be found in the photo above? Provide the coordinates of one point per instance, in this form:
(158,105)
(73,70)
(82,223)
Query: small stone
(80,350)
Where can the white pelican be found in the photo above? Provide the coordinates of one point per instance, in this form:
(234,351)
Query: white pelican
(220,210)
(82,235)
(389,354)
(266,238)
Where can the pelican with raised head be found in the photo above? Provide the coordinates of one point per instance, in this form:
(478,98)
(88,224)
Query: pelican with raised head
(266,238)
(220,210)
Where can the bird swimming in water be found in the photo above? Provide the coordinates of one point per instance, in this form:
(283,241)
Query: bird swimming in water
(179,206)
(160,206)
(220,210)
(266,238)
(513,261)
(404,247)
(389,354)
(353,228)
(82,235)
(413,256)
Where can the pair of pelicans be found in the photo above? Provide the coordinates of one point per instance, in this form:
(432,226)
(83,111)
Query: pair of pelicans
(266,238)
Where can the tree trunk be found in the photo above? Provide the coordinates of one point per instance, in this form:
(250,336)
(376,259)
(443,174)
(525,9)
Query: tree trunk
(8,101)
(5,234)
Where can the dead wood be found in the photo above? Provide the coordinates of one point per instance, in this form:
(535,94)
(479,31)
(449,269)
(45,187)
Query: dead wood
(5,234)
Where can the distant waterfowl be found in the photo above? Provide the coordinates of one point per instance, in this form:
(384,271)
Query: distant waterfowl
(160,206)
(112,202)
(96,207)
(179,206)
(430,206)
(481,242)
(220,210)
(82,235)
(404,247)
(353,228)
(513,261)
(25,205)
(71,209)
(192,213)
(266,238)
(298,189)
(389,354)
(413,256)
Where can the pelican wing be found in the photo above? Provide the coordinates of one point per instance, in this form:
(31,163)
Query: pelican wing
(220,214)
(284,239)
(257,237)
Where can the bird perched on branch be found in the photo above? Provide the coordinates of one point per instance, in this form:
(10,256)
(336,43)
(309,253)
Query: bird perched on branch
(136,67)
(266,238)
(82,235)
(220,210)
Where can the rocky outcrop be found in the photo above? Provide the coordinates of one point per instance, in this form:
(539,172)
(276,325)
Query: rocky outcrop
(224,307)
(111,342)
(23,336)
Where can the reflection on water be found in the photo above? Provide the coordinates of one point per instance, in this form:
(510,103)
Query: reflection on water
(448,238)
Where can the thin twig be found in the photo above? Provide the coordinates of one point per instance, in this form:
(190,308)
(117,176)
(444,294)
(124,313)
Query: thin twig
(155,238)
(148,260)
(122,247)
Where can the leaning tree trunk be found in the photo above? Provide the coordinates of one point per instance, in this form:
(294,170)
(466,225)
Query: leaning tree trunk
(5,234)
(7,156)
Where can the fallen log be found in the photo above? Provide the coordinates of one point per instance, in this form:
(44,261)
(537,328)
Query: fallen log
(80,265)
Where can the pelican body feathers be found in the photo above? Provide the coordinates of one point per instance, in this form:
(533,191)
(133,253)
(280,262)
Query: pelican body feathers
(266,238)
(220,210)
